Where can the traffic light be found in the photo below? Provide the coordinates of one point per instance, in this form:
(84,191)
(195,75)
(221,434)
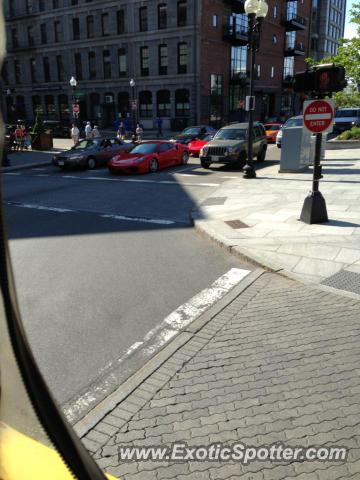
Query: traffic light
(321,79)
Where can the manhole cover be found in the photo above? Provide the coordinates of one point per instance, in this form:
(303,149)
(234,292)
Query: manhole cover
(214,201)
(344,280)
(236,224)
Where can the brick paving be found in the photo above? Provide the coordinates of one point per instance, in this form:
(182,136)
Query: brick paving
(280,363)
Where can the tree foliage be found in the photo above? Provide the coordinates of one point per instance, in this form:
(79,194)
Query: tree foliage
(38,126)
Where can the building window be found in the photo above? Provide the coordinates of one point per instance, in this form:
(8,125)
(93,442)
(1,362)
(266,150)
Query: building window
(290,38)
(121,21)
(76,28)
(74,2)
(36,105)
(107,63)
(30,34)
(42,5)
(145,104)
(274,39)
(122,62)
(216,98)
(46,66)
(163,103)
(92,65)
(162,16)
(182,57)
(182,13)
(272,73)
(50,105)
(33,70)
(17,68)
(144,61)
(63,106)
(5,73)
(288,67)
(55,3)
(214,21)
(123,103)
(239,23)
(258,71)
(14,38)
(291,10)
(143,19)
(105,24)
(238,62)
(58,31)
(78,66)
(60,68)
(275,11)
(182,103)
(163,59)
(90,26)
(29,6)
(43,33)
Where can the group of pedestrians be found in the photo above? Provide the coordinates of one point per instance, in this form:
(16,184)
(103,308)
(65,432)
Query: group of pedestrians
(19,139)
(90,132)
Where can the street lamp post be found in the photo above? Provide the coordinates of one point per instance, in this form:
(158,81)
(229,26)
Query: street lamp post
(256,11)
(133,104)
(73,84)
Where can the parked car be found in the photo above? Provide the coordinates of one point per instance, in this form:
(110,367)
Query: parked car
(150,156)
(194,133)
(58,128)
(290,122)
(271,130)
(196,145)
(346,118)
(230,145)
(91,153)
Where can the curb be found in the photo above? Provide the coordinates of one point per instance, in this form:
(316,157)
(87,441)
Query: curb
(91,419)
(25,167)
(342,144)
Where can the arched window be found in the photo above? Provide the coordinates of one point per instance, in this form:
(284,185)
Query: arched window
(123,103)
(90,26)
(20,107)
(50,105)
(95,111)
(145,104)
(63,106)
(163,103)
(182,103)
(36,105)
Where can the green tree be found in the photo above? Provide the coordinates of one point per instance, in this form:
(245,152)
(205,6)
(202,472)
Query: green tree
(38,126)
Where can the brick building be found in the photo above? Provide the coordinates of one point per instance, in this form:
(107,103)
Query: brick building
(188,59)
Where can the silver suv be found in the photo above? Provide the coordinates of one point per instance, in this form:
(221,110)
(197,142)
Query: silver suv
(229,145)
(346,118)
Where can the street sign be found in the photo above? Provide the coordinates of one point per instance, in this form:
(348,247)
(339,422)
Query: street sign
(133,104)
(250,103)
(318,115)
(76,108)
(241,103)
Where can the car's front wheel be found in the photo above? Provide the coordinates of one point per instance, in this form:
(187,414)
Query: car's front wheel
(261,155)
(90,163)
(205,164)
(153,165)
(184,158)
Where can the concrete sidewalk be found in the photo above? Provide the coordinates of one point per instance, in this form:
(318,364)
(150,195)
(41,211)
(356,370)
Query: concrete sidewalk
(277,363)
(270,232)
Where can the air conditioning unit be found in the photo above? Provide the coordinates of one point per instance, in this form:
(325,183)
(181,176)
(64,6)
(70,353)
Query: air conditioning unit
(109,99)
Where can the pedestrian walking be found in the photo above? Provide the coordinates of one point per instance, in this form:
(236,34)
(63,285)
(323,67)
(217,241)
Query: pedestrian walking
(75,133)
(95,132)
(19,135)
(88,131)
(139,132)
(121,133)
(159,123)
(27,141)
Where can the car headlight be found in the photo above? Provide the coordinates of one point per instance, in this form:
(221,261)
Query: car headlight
(203,151)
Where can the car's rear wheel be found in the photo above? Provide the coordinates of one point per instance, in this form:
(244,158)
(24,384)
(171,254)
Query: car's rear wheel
(205,164)
(153,165)
(261,155)
(90,163)
(184,158)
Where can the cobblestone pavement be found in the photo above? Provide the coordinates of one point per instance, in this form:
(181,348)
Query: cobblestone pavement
(280,363)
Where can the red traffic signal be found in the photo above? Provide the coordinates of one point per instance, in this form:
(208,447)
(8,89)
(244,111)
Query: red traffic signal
(322,79)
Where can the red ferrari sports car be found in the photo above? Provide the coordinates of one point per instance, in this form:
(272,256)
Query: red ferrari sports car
(196,145)
(149,156)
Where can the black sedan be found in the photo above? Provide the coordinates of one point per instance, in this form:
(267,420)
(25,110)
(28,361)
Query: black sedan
(194,133)
(91,153)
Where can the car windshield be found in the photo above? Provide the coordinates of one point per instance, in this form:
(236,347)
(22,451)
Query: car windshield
(347,113)
(84,144)
(272,127)
(145,148)
(294,122)
(191,131)
(231,134)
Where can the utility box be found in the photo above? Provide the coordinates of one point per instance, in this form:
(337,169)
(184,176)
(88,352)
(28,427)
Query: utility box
(297,150)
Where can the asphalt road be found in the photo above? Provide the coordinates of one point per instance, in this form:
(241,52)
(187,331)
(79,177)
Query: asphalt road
(99,261)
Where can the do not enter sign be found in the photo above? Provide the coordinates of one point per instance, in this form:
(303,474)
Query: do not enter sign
(318,115)
(76,108)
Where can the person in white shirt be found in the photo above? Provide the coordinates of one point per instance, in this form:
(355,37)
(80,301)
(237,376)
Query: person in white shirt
(75,133)
(95,132)
(139,132)
(88,130)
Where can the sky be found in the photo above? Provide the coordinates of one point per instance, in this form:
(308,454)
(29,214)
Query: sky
(350,28)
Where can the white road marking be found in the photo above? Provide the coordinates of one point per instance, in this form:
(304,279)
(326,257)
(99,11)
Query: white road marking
(229,176)
(40,207)
(42,175)
(185,169)
(159,336)
(139,219)
(12,173)
(38,169)
(140,180)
